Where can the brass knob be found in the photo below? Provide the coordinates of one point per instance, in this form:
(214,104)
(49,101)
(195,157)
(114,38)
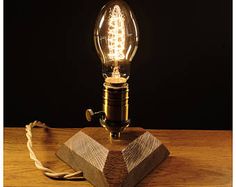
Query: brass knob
(90,115)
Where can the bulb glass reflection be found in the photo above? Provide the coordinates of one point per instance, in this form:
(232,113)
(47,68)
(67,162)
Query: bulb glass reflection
(116,40)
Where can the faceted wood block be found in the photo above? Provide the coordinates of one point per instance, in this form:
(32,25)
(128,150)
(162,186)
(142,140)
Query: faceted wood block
(107,162)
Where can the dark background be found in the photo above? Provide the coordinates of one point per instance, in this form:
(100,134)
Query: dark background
(180,76)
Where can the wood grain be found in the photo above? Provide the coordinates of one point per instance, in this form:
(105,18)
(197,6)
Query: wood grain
(137,150)
(108,162)
(198,158)
(88,149)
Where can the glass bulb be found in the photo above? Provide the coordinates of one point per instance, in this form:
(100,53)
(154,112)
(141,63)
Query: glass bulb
(116,40)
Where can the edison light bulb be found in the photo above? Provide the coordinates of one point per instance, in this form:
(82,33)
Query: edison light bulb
(116,40)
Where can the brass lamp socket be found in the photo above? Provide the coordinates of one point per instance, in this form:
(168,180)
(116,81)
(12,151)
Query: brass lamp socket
(116,108)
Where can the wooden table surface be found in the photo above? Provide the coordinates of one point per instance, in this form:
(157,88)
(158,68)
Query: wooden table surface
(198,158)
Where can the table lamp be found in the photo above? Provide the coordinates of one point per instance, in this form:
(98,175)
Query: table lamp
(117,156)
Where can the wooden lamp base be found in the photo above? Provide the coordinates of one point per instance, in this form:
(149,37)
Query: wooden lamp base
(108,162)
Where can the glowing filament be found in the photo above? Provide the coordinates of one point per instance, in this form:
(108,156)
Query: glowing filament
(116,34)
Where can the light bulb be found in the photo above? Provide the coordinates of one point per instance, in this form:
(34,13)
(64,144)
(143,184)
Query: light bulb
(116,40)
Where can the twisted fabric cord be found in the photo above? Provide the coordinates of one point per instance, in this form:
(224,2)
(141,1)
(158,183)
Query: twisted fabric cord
(48,172)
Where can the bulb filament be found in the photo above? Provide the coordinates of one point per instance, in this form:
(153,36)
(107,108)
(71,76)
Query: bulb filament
(116,38)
